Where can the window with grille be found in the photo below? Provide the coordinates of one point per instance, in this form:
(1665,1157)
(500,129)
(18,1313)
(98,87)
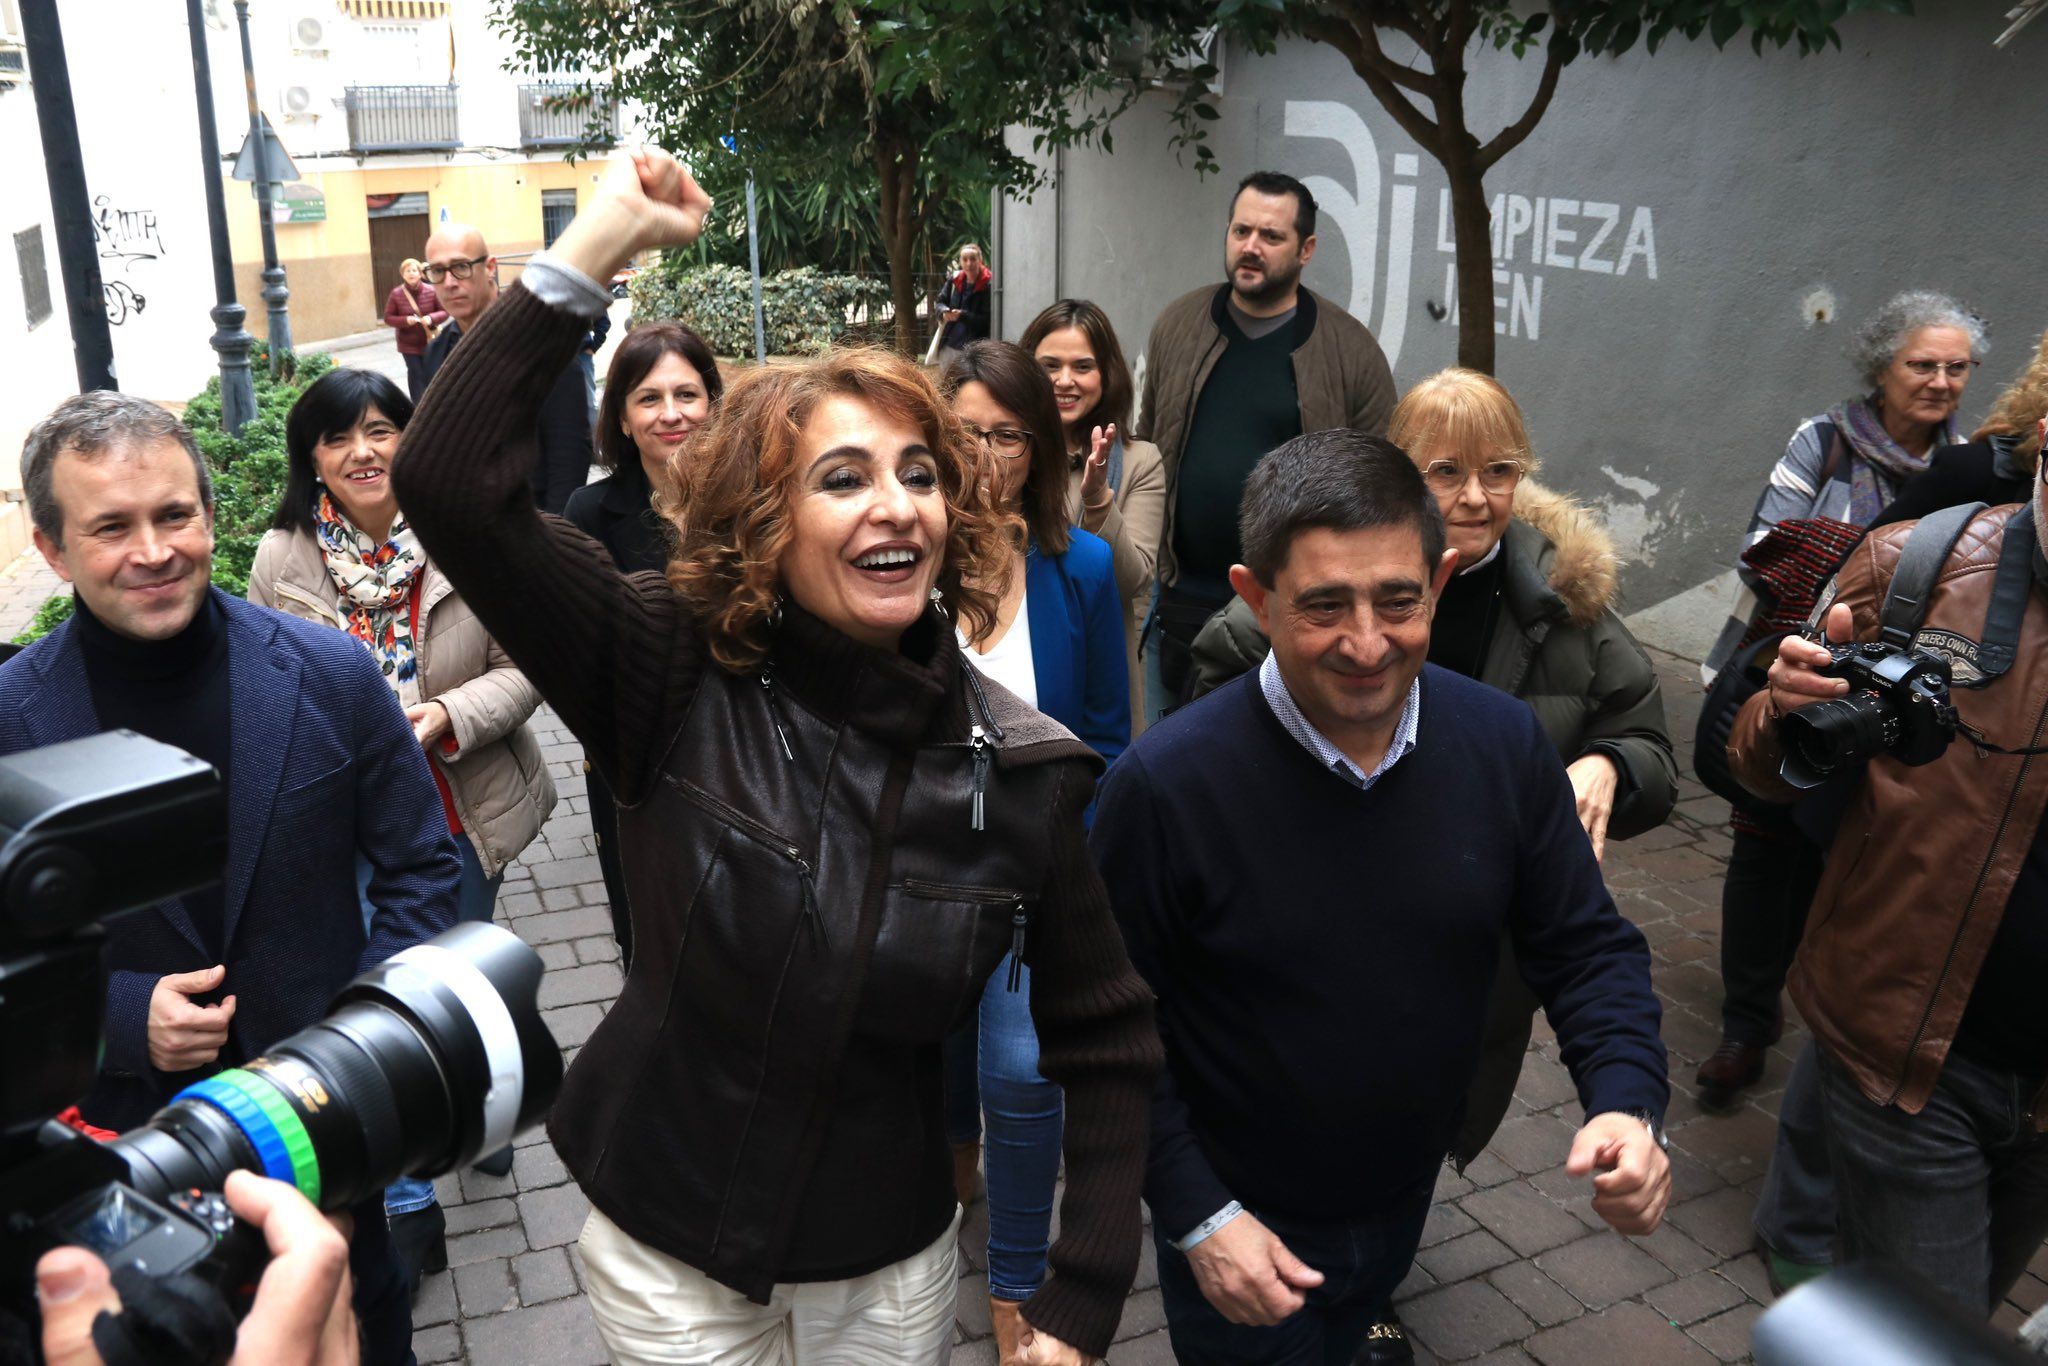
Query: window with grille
(557,207)
(35,274)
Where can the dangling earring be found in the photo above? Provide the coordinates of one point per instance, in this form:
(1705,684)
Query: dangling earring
(775,613)
(938,600)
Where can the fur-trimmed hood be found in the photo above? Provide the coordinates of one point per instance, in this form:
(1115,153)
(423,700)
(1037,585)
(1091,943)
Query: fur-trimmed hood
(1581,565)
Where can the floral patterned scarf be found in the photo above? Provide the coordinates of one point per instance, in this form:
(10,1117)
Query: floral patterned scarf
(376,584)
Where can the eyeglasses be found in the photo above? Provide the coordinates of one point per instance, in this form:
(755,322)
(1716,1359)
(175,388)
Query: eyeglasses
(459,269)
(1495,476)
(1008,442)
(1928,369)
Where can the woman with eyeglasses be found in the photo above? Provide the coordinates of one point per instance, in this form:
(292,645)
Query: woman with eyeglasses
(1531,612)
(1058,643)
(1914,358)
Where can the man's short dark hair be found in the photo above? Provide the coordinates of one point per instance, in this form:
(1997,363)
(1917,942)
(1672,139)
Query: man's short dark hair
(1340,480)
(91,424)
(1279,182)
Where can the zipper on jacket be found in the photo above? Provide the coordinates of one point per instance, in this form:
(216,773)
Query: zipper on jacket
(1019,923)
(775,711)
(1983,871)
(945,891)
(979,737)
(814,920)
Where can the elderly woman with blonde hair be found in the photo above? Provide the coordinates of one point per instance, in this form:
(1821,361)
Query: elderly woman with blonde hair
(414,311)
(833,831)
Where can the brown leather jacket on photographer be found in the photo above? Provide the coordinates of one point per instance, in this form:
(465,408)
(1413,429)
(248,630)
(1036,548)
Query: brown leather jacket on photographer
(1920,870)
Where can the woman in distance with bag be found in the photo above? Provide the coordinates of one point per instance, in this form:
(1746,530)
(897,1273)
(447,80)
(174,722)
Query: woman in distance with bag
(414,311)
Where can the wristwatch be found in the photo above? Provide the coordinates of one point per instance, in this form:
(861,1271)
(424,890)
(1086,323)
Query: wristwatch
(1650,1122)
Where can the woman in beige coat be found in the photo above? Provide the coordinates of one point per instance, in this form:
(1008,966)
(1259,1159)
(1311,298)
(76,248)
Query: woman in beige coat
(339,552)
(1116,489)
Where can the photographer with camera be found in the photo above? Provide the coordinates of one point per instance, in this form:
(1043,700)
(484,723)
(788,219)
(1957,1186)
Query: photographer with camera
(319,764)
(301,1314)
(1921,968)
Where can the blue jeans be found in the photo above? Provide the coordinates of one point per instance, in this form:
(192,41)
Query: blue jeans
(1957,1193)
(477,900)
(1025,1116)
(1795,1210)
(1361,1261)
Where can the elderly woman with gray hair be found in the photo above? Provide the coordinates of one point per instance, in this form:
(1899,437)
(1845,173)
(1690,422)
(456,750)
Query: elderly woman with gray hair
(1914,357)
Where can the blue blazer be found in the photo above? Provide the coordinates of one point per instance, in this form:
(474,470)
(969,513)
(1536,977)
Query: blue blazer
(1077,642)
(324,764)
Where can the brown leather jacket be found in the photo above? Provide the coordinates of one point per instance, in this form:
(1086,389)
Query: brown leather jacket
(1920,869)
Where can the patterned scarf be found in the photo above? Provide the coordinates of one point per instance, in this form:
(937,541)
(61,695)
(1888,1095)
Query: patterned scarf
(1878,464)
(375,582)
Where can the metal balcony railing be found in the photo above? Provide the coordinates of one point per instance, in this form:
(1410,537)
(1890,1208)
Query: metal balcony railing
(401,118)
(560,114)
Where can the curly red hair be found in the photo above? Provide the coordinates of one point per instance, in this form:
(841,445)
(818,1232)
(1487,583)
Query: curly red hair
(743,476)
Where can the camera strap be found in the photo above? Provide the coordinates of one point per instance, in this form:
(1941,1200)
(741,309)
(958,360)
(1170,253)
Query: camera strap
(2009,594)
(1921,559)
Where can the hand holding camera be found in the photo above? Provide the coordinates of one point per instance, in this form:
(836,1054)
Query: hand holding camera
(1797,676)
(301,1313)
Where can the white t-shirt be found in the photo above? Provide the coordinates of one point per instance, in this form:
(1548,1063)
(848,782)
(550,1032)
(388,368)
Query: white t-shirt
(1009,662)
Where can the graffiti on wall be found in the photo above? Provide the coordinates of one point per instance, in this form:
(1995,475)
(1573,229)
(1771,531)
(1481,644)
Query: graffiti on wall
(126,237)
(1533,235)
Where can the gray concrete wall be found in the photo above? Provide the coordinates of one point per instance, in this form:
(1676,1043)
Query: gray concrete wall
(1666,238)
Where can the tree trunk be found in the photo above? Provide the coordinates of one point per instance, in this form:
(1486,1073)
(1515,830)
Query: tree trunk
(898,167)
(1472,229)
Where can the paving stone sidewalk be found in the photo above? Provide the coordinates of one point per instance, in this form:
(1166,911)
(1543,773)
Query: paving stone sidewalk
(1514,1268)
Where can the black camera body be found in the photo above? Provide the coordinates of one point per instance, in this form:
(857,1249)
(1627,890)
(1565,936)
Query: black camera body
(1898,705)
(423,1063)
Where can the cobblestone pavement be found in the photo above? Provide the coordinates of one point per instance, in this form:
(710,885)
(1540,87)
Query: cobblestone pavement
(1514,1268)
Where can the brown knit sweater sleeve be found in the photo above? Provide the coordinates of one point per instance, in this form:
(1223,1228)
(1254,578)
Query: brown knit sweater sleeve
(1097,1040)
(612,653)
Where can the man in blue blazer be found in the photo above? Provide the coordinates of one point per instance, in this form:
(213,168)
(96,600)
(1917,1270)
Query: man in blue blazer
(319,762)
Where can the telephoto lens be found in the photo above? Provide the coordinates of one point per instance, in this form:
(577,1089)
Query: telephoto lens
(426,1061)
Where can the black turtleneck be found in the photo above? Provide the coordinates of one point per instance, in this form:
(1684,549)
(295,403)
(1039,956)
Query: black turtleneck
(175,691)
(1467,615)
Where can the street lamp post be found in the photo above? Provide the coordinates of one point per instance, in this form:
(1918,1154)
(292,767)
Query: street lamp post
(274,291)
(230,338)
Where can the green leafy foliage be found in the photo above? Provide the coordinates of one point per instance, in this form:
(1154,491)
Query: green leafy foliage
(890,110)
(248,474)
(805,310)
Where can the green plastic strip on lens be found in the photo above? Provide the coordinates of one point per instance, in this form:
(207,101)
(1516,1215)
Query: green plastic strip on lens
(281,1113)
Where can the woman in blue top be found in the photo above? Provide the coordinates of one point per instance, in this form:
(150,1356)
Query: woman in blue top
(1058,643)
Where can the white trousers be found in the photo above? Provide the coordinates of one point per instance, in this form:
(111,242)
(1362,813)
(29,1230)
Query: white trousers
(652,1308)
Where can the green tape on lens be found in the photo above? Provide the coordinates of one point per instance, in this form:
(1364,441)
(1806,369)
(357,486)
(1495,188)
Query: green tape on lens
(286,1137)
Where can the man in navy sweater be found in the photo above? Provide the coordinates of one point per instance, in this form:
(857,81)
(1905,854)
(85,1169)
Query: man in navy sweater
(1313,867)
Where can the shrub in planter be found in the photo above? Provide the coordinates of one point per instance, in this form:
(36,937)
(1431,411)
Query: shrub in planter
(805,310)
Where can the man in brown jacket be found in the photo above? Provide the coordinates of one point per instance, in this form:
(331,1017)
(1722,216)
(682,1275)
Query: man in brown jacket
(1232,371)
(1925,958)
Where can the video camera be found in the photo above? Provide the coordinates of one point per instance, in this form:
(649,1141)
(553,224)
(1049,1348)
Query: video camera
(1898,704)
(422,1063)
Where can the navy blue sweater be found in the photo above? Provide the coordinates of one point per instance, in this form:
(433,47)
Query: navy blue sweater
(1323,956)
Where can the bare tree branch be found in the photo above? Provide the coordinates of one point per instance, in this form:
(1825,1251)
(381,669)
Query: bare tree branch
(1412,120)
(1511,136)
(1343,36)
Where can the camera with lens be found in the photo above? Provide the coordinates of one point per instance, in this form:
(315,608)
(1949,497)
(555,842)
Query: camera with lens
(423,1063)
(1898,705)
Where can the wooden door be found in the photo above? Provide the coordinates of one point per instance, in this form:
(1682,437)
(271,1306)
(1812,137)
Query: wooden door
(394,239)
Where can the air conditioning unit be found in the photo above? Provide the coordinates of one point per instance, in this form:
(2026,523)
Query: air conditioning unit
(309,36)
(13,64)
(297,103)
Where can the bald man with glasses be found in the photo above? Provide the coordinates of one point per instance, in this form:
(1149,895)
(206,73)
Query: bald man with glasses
(463,272)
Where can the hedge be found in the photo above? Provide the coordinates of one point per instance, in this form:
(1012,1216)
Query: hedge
(248,474)
(806,310)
